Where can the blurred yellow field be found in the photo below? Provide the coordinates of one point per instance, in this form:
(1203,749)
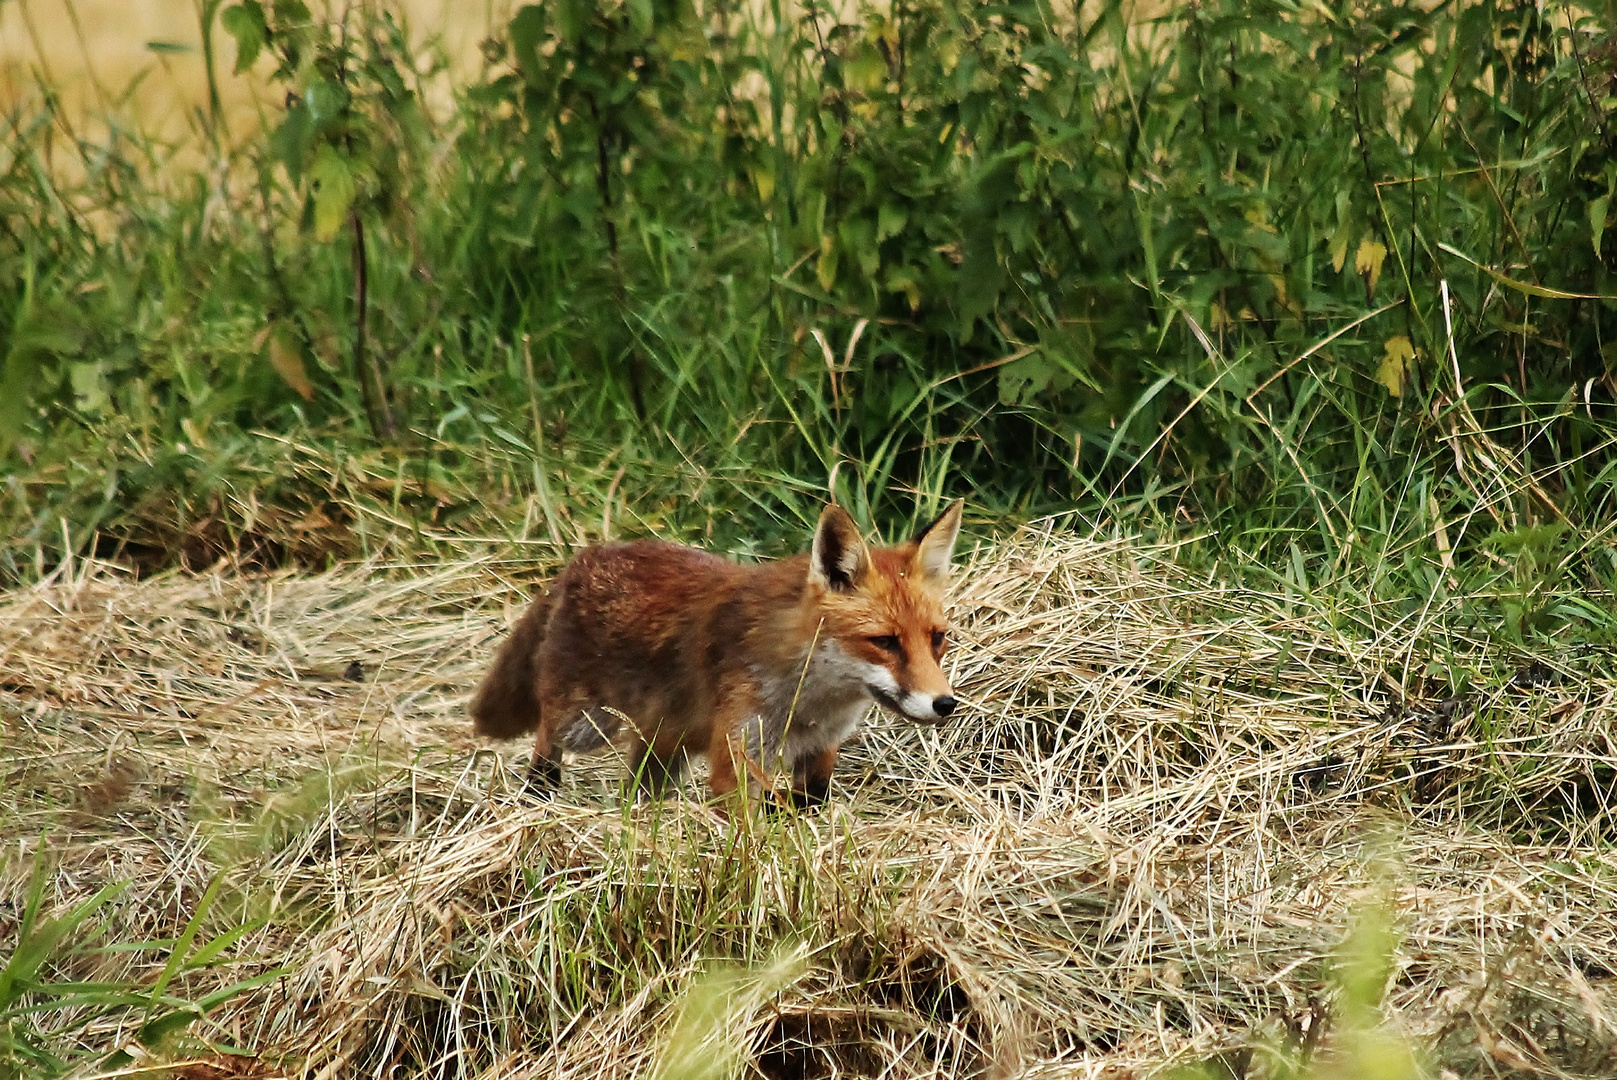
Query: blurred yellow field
(142,60)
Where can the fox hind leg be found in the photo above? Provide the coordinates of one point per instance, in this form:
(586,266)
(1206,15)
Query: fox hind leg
(544,770)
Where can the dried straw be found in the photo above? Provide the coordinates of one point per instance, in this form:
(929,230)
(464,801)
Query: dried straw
(1141,845)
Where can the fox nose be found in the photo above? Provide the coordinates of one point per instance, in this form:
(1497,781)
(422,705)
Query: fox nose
(944,705)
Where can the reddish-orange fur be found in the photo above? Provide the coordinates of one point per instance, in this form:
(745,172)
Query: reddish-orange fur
(676,652)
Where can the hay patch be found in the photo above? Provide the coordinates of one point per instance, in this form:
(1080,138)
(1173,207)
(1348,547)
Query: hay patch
(1140,845)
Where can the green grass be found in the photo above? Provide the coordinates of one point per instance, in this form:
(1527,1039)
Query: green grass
(1061,268)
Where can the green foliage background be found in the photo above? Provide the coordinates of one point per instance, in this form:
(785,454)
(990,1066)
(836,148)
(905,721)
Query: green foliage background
(1327,283)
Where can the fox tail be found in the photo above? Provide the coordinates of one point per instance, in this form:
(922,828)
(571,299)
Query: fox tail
(507,703)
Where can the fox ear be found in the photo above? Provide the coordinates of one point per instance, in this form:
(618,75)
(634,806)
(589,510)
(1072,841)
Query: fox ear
(934,545)
(839,557)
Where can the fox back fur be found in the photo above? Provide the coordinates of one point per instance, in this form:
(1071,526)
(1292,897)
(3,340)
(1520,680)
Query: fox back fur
(674,651)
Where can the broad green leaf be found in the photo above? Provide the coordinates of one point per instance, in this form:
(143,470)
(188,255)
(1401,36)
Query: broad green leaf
(1022,380)
(890,221)
(334,191)
(291,141)
(1398,352)
(573,19)
(866,70)
(51,327)
(89,386)
(981,276)
(325,99)
(245,23)
(1526,539)
(854,237)
(527,34)
(1344,232)
(1368,259)
(46,330)
(1597,220)
(1339,246)
(640,17)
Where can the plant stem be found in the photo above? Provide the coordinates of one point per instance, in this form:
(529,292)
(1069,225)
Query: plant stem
(367,369)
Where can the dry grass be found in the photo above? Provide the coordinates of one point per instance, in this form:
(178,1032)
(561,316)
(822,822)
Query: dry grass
(1141,846)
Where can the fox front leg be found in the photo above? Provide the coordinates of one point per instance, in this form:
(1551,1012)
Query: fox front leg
(811,779)
(734,776)
(659,767)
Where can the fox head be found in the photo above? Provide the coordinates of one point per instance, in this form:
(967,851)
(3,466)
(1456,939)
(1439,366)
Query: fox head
(883,609)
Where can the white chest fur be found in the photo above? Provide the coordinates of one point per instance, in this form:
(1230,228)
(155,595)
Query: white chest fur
(815,711)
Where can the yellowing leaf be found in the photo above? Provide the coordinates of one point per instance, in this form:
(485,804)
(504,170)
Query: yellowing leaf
(334,191)
(866,70)
(1339,246)
(287,360)
(902,281)
(826,268)
(883,30)
(763,176)
(1398,353)
(1368,259)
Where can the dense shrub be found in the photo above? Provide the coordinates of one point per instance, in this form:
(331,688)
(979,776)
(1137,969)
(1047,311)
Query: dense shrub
(1212,256)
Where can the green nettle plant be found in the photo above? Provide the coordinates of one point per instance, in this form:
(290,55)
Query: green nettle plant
(350,142)
(611,105)
(1132,237)
(1342,267)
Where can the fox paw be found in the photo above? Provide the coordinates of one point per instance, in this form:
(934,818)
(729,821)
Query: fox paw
(779,803)
(543,778)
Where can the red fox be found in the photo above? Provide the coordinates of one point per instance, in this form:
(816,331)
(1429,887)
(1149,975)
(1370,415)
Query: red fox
(676,651)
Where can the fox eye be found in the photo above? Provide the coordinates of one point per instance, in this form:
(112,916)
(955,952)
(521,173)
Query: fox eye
(937,641)
(885,642)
